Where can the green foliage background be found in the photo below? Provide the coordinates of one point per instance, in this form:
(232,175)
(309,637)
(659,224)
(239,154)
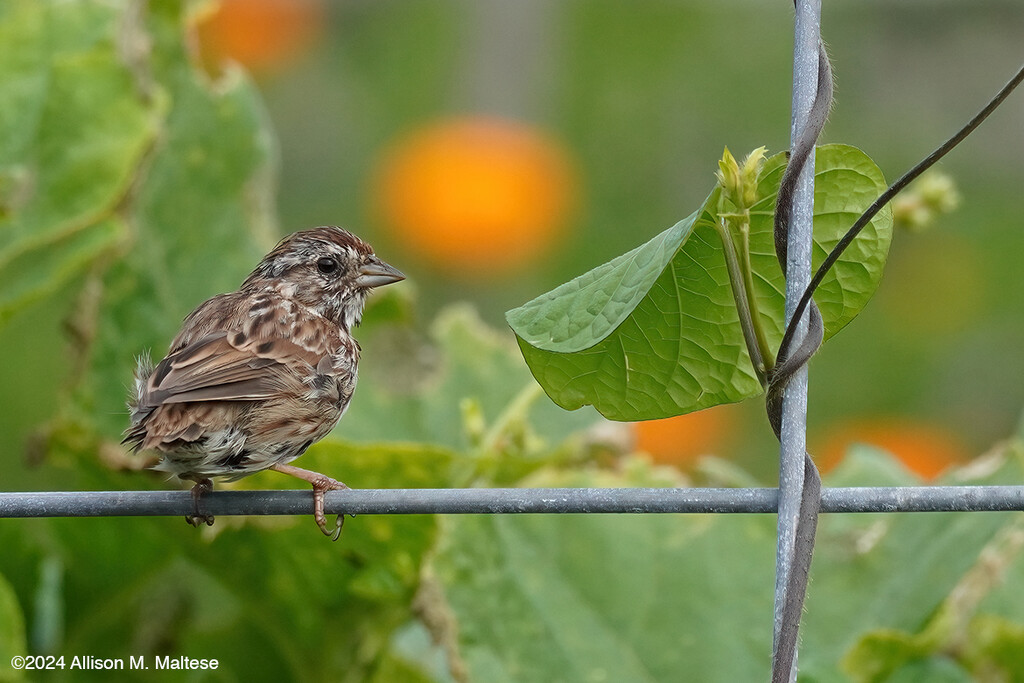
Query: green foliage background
(132,186)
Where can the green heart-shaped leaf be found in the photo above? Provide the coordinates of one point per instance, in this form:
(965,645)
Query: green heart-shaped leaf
(654,333)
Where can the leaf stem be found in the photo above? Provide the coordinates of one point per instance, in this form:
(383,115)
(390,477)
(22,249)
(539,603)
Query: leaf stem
(516,410)
(748,282)
(739,294)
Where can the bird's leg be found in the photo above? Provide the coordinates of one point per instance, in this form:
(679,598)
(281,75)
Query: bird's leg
(198,517)
(321,484)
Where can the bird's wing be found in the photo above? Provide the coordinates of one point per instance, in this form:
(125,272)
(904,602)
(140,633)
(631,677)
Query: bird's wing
(226,366)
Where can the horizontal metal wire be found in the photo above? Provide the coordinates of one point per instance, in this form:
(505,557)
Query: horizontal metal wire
(505,501)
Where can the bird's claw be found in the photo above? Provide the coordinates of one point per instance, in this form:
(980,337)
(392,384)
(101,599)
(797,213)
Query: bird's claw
(320,487)
(338,524)
(199,520)
(198,517)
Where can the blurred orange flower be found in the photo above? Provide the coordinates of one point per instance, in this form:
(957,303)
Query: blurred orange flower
(261,34)
(925,449)
(476,197)
(681,440)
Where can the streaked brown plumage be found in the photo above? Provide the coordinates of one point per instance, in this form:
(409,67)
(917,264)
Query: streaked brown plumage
(256,376)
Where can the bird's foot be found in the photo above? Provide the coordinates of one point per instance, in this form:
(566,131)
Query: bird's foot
(318,508)
(198,517)
(321,483)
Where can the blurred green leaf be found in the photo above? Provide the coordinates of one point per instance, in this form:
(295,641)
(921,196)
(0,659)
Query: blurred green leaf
(416,654)
(68,153)
(880,653)
(607,597)
(469,363)
(654,333)
(48,608)
(673,597)
(268,597)
(884,587)
(394,669)
(996,643)
(36,273)
(12,632)
(932,670)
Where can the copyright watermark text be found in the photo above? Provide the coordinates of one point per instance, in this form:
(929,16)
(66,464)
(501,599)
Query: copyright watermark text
(91,663)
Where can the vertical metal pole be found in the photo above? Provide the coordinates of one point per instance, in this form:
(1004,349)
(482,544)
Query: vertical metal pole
(798,275)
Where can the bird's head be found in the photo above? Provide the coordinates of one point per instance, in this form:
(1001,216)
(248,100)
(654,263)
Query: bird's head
(327,269)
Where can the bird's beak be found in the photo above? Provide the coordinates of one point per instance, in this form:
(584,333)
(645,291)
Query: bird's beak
(375,273)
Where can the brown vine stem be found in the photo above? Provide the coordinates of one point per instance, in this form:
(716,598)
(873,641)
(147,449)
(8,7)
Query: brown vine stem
(886,197)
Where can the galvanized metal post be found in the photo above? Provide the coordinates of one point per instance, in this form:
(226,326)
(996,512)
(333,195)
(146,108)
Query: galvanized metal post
(798,274)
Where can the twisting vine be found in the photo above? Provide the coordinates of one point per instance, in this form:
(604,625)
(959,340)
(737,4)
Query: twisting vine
(883,199)
(791,358)
(792,355)
(782,372)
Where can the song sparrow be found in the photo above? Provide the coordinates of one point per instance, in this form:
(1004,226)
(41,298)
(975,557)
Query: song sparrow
(256,376)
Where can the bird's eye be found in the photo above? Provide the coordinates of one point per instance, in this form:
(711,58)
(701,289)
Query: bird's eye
(327,265)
